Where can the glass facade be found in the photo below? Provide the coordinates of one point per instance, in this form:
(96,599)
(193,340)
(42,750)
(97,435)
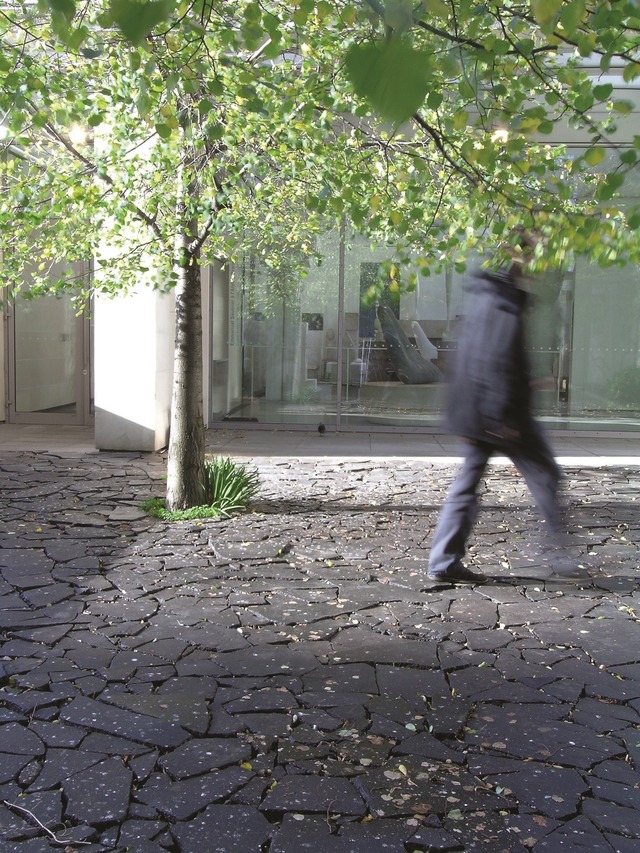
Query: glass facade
(308,351)
(605,353)
(45,355)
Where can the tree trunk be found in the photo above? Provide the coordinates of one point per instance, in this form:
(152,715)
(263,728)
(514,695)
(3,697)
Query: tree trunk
(185,473)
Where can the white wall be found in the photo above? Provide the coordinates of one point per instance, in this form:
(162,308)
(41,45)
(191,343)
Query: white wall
(133,368)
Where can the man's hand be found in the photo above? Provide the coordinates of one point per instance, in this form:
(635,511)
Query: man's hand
(505,433)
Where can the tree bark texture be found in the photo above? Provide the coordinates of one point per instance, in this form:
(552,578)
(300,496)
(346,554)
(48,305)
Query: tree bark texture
(185,472)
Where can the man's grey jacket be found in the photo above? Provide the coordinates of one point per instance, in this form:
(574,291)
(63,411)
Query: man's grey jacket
(489,397)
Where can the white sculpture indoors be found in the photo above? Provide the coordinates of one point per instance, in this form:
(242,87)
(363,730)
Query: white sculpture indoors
(425,347)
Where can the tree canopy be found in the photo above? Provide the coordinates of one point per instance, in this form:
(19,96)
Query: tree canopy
(428,125)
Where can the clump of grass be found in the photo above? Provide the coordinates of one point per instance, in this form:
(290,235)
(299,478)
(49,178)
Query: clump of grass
(228,488)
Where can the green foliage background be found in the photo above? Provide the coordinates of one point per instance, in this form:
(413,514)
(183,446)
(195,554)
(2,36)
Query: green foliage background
(258,124)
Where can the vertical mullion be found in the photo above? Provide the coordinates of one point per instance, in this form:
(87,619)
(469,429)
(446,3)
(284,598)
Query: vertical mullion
(341,276)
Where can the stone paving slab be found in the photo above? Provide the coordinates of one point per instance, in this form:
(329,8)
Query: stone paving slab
(288,679)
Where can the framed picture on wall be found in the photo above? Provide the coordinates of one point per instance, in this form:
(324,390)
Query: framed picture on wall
(315,322)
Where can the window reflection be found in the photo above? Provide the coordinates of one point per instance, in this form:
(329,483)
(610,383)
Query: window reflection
(302,362)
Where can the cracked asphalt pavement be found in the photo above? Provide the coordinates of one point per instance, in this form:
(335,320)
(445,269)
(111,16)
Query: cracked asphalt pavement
(288,679)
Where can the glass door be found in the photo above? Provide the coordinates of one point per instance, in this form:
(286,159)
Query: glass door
(49,379)
(283,353)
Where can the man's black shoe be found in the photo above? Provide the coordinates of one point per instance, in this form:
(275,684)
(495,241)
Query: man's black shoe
(458,574)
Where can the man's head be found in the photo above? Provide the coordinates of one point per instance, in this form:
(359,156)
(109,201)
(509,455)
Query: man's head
(524,240)
(521,249)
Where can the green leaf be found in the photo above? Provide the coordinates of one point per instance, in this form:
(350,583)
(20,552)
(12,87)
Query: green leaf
(143,105)
(583,102)
(623,107)
(611,184)
(163,130)
(437,8)
(587,43)
(631,71)
(76,37)
(603,91)
(253,13)
(460,119)
(595,155)
(455,814)
(545,11)
(398,14)
(466,89)
(528,125)
(215,131)
(572,15)
(205,106)
(434,100)
(67,7)
(136,18)
(392,76)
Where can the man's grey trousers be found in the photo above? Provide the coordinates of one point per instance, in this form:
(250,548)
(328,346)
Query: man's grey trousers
(534,460)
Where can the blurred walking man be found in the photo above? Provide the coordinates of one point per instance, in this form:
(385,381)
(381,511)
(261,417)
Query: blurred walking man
(490,409)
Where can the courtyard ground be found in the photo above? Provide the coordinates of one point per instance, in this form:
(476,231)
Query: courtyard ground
(288,680)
